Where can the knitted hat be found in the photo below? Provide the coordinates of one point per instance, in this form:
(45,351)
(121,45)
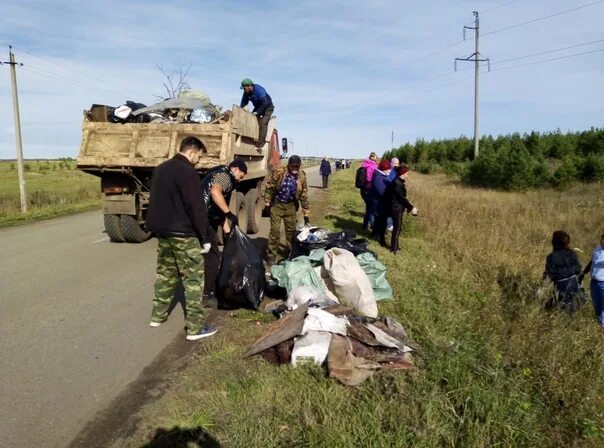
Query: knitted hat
(384,165)
(403,169)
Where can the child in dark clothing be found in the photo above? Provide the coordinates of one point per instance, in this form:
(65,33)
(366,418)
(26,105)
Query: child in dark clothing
(562,267)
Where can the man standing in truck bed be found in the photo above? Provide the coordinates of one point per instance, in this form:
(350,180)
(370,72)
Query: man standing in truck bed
(285,191)
(263,107)
(216,188)
(177,216)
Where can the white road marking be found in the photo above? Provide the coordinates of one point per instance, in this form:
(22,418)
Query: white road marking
(101,240)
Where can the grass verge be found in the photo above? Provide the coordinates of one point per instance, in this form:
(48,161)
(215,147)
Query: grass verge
(495,369)
(54,188)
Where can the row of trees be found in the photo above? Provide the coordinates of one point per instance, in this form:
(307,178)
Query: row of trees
(514,161)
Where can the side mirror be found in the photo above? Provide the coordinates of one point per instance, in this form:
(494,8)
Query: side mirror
(283,148)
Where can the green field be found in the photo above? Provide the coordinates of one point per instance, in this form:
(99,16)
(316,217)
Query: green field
(495,369)
(53,187)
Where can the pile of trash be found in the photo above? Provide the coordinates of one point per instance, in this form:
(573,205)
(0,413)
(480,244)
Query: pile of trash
(333,283)
(338,264)
(189,107)
(352,346)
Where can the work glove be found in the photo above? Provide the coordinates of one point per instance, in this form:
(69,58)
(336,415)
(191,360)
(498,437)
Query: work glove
(233,218)
(205,248)
(414,211)
(266,211)
(306,220)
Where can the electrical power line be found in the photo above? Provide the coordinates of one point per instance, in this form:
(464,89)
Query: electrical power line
(538,19)
(548,52)
(549,60)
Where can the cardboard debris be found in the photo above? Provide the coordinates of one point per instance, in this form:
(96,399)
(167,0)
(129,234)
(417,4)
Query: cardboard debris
(354,346)
(343,365)
(287,328)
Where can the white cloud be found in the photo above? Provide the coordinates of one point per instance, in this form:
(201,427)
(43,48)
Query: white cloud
(343,74)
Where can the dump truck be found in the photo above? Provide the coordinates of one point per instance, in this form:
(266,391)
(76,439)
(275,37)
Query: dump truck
(124,155)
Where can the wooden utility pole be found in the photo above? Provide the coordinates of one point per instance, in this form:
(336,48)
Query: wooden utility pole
(13,76)
(477,60)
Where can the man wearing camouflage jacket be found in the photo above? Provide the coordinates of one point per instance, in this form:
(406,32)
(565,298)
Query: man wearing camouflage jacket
(286,191)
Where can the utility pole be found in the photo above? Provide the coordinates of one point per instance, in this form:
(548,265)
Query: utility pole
(392,141)
(13,76)
(475,57)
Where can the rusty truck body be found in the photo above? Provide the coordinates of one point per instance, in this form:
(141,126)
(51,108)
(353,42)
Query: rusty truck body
(123,156)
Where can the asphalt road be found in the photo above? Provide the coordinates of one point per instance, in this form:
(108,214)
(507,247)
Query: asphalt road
(74,314)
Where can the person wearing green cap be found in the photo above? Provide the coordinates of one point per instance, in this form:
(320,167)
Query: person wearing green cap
(263,107)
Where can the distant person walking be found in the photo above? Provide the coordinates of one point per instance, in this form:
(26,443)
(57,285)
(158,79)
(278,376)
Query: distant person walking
(596,286)
(177,216)
(396,200)
(263,107)
(325,170)
(216,188)
(562,267)
(286,191)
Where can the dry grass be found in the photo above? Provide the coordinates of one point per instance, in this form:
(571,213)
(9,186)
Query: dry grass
(495,368)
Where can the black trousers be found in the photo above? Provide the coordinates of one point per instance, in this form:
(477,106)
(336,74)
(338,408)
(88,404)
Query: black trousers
(211,261)
(379,227)
(325,181)
(263,125)
(397,223)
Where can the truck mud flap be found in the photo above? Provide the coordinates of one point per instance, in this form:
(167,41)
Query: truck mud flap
(121,204)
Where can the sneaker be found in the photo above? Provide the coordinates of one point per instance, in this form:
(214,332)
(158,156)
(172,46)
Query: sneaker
(155,324)
(206,331)
(390,228)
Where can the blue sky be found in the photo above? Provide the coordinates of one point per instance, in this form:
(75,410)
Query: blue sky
(343,74)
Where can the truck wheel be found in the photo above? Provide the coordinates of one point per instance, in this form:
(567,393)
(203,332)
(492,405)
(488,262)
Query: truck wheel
(113,228)
(254,210)
(133,232)
(241,212)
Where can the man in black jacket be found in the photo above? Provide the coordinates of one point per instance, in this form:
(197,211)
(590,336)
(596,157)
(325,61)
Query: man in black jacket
(216,188)
(177,216)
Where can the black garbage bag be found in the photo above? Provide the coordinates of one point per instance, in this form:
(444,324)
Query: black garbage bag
(241,277)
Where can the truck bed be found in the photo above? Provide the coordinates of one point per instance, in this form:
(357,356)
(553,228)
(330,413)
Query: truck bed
(109,146)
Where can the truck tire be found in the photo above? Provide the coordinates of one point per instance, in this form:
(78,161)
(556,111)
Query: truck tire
(241,212)
(133,232)
(113,228)
(253,206)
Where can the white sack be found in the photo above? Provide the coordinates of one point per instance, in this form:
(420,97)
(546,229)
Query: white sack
(312,347)
(352,286)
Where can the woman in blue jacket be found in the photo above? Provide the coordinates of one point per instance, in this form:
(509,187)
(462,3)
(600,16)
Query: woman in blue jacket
(380,181)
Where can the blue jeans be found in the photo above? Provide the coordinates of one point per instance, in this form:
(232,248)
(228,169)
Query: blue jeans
(370,209)
(597,297)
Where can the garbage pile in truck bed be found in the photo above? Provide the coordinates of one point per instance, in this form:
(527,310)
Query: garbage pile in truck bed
(333,283)
(189,107)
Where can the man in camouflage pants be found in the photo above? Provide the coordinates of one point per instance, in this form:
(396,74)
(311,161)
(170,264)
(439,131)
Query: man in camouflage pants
(177,216)
(285,191)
